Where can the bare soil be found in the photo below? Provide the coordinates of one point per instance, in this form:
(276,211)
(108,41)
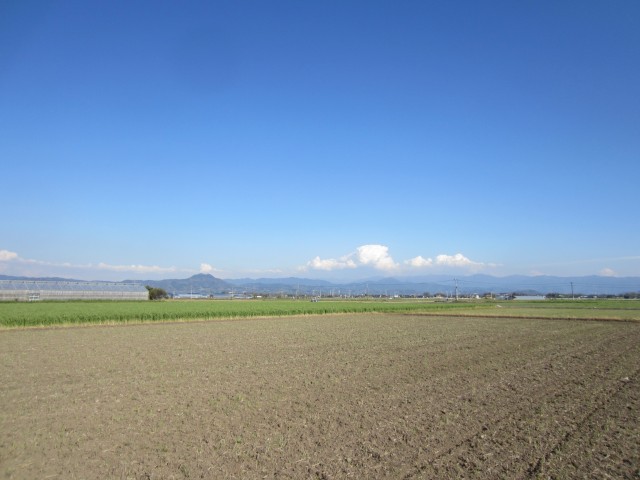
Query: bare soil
(344,396)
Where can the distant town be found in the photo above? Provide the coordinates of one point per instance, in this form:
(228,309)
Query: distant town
(205,286)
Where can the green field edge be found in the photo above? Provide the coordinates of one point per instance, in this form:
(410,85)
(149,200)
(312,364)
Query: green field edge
(181,317)
(78,313)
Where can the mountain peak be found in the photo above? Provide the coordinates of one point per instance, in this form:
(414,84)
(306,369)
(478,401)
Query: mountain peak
(201,283)
(202,276)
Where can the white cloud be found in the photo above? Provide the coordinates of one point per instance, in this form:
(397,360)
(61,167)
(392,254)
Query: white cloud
(419,262)
(136,268)
(607,272)
(457,260)
(206,268)
(7,256)
(210,269)
(34,267)
(329,264)
(376,256)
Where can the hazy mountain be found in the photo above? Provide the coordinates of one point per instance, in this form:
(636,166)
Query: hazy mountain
(200,284)
(293,281)
(445,284)
(288,285)
(542,284)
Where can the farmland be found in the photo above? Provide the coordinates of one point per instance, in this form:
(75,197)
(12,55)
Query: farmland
(15,314)
(368,395)
(39,314)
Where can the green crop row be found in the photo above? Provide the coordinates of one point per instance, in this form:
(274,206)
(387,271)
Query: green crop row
(13,314)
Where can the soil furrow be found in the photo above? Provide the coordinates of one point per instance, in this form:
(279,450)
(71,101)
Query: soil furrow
(512,405)
(381,396)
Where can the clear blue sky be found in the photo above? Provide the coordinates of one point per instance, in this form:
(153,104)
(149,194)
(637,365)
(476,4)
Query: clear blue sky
(333,139)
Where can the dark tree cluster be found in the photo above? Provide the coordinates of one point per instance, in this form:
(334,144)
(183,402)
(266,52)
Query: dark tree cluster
(156,293)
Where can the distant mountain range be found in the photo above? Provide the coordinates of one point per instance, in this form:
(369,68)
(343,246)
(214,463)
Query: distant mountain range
(205,284)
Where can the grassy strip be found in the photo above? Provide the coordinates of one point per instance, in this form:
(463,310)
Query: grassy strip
(96,312)
(34,314)
(625,310)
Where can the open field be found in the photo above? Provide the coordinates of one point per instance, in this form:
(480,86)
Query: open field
(36,314)
(338,396)
(625,310)
(15,314)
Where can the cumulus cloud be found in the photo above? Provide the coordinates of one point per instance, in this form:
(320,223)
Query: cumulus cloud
(329,264)
(607,272)
(206,268)
(419,262)
(7,256)
(443,260)
(378,257)
(457,260)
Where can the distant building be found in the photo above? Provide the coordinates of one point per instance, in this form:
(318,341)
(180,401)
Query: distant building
(191,296)
(34,290)
(529,297)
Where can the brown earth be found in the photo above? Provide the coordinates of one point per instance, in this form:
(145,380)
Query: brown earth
(360,396)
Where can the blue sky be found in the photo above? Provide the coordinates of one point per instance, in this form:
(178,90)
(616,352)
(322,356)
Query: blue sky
(334,139)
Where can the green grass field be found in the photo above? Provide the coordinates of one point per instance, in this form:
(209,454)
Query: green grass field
(39,314)
(625,310)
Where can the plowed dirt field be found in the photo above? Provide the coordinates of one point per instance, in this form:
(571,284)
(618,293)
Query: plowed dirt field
(344,396)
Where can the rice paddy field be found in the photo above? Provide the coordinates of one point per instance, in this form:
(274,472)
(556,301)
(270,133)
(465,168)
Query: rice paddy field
(490,390)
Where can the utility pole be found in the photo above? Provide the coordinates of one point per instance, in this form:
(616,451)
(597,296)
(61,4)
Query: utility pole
(572,297)
(456,280)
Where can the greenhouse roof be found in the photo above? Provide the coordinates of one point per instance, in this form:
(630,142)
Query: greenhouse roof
(37,285)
